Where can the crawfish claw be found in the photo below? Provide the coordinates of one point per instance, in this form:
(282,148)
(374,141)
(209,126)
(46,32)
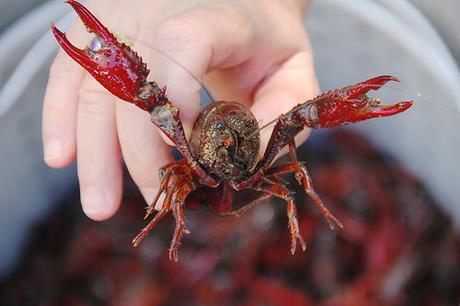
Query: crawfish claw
(93,25)
(373,108)
(362,88)
(113,64)
(349,104)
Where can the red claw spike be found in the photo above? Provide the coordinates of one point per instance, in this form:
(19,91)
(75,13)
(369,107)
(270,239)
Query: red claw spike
(115,65)
(376,83)
(348,105)
(91,22)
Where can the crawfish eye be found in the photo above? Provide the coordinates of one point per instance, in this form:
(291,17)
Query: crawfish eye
(161,173)
(220,126)
(240,162)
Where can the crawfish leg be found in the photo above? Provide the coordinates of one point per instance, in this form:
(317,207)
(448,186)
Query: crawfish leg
(183,191)
(284,130)
(166,172)
(273,187)
(303,179)
(247,206)
(276,188)
(164,210)
(166,117)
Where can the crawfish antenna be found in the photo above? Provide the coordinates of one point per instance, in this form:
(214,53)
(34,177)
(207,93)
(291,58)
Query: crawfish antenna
(259,129)
(186,70)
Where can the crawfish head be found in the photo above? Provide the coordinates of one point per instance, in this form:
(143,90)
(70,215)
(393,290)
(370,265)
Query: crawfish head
(226,141)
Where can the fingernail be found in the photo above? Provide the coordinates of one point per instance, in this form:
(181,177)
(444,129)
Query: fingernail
(53,150)
(149,194)
(94,203)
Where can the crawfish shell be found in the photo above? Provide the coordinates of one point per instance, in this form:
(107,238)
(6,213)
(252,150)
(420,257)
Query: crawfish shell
(218,124)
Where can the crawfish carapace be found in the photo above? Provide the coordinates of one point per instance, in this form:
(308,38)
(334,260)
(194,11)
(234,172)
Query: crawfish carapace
(222,156)
(226,141)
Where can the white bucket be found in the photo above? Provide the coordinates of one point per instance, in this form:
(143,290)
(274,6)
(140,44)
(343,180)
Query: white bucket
(28,187)
(353,40)
(357,39)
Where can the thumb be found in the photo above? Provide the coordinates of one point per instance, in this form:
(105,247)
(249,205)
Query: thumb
(186,46)
(293,83)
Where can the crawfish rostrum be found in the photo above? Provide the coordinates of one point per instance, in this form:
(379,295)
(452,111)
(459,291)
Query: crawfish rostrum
(225,139)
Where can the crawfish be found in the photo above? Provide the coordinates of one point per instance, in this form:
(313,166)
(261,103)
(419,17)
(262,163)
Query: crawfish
(222,153)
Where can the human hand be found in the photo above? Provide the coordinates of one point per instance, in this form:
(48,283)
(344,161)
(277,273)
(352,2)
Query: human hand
(258,54)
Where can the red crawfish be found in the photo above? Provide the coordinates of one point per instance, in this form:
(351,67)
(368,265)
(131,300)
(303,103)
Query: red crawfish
(223,149)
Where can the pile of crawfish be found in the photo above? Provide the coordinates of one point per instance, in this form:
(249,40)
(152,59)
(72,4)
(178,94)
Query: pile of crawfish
(397,248)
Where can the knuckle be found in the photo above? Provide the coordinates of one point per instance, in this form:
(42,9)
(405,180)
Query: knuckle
(61,67)
(93,97)
(184,28)
(144,178)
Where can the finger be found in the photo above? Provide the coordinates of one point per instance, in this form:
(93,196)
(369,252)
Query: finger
(144,152)
(293,83)
(99,169)
(61,98)
(60,106)
(195,40)
(142,148)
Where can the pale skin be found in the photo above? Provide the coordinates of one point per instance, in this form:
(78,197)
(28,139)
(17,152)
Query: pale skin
(255,52)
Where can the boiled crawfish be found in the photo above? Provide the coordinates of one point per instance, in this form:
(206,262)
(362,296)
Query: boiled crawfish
(222,152)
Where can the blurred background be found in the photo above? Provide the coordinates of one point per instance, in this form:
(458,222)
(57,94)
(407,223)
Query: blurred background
(353,40)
